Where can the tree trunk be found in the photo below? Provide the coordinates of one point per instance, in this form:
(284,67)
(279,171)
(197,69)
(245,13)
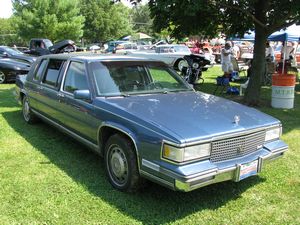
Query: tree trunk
(252,94)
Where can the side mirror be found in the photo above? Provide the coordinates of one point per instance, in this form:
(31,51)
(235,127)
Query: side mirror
(82,95)
(5,55)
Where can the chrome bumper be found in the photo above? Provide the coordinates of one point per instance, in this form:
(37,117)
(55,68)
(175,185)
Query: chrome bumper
(213,175)
(231,173)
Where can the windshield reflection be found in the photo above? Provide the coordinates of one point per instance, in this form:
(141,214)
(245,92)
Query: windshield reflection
(116,78)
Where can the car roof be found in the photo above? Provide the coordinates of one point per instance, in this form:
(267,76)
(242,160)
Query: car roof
(95,57)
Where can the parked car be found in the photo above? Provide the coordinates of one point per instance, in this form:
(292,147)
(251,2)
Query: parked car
(147,122)
(123,48)
(111,46)
(42,46)
(7,52)
(10,68)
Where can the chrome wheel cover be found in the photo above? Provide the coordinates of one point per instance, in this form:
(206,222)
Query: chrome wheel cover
(26,110)
(2,77)
(118,165)
(182,63)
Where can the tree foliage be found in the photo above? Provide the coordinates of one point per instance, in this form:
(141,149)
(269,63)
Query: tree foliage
(236,17)
(104,20)
(141,19)
(55,20)
(8,34)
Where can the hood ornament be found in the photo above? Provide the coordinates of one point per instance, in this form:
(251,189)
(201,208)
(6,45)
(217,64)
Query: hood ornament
(236,119)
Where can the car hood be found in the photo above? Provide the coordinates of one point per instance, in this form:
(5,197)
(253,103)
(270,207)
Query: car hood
(193,115)
(9,63)
(27,58)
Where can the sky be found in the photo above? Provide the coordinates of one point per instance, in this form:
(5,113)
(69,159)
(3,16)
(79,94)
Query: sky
(6,7)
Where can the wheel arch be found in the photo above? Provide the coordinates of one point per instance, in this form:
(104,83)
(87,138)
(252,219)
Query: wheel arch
(175,65)
(106,130)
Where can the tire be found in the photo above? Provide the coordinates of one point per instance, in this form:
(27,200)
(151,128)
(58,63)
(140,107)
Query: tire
(121,164)
(179,64)
(28,115)
(2,77)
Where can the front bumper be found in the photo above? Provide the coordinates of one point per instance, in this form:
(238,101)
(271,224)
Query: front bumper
(214,173)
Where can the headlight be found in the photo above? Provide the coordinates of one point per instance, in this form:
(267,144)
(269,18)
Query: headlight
(273,134)
(186,154)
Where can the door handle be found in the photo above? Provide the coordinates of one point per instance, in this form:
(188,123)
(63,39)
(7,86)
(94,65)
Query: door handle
(40,88)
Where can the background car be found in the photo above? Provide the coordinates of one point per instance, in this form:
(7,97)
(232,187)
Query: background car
(7,52)
(10,68)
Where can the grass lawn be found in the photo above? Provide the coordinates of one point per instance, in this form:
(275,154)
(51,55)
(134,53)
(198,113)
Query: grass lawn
(48,178)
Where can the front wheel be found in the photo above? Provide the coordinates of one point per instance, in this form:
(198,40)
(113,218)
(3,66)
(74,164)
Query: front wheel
(121,164)
(2,77)
(28,116)
(180,64)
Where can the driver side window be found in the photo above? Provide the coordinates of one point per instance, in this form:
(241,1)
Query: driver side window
(75,78)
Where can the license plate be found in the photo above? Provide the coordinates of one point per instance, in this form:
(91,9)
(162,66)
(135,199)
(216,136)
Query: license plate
(248,169)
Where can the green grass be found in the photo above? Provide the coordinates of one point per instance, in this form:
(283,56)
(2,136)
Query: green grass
(48,178)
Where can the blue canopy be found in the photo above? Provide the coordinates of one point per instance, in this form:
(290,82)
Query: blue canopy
(249,36)
(292,33)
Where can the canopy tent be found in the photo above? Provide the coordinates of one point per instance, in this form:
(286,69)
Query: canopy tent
(136,36)
(292,33)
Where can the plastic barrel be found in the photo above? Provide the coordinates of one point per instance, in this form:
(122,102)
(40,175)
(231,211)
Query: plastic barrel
(283,91)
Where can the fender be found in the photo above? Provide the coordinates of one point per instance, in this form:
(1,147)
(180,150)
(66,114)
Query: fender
(121,129)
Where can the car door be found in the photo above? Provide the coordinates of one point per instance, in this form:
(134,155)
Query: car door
(47,96)
(34,86)
(77,115)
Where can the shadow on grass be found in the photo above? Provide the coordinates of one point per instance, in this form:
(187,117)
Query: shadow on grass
(153,205)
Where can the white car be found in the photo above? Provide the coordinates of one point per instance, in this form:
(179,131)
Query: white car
(169,54)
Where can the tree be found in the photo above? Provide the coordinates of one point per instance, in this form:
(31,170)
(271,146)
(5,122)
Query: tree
(141,19)
(8,34)
(55,20)
(105,21)
(236,17)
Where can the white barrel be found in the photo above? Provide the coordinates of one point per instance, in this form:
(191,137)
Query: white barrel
(283,97)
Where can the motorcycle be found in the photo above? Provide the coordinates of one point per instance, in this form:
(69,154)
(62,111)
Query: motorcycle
(192,73)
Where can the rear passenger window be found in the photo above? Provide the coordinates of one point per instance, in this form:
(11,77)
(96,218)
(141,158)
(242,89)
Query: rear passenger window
(52,72)
(75,78)
(39,72)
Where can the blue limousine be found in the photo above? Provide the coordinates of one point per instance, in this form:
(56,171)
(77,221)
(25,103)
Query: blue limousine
(147,122)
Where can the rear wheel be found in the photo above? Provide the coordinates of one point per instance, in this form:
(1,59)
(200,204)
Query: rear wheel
(121,164)
(2,77)
(28,116)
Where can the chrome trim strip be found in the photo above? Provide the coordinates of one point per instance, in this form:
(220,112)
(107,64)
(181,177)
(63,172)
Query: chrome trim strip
(150,165)
(71,133)
(158,179)
(124,132)
(193,176)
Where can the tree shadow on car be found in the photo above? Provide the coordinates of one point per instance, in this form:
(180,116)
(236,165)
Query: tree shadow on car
(153,204)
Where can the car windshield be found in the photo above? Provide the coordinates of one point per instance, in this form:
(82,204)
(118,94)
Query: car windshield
(117,78)
(182,48)
(12,51)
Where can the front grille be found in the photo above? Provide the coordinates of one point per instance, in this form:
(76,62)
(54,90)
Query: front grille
(236,147)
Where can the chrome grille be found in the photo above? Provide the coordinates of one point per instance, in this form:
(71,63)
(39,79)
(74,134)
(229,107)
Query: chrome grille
(236,147)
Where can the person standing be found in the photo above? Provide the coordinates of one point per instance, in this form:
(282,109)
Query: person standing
(226,54)
(269,53)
